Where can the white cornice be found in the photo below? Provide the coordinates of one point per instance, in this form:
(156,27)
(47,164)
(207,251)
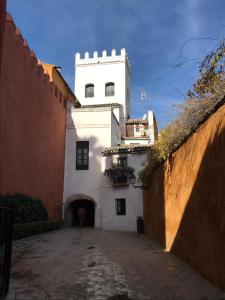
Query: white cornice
(90,125)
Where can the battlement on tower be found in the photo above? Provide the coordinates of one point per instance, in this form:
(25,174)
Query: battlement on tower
(103,59)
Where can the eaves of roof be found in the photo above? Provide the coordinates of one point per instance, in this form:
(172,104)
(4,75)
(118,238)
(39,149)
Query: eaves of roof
(125,149)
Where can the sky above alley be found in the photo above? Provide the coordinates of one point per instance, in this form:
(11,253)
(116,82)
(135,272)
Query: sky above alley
(165,40)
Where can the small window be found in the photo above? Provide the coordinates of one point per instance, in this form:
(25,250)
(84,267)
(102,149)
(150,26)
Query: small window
(122,161)
(121,207)
(137,128)
(89,90)
(82,155)
(109,89)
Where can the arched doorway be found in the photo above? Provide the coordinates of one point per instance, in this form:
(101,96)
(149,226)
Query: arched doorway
(89,217)
(71,207)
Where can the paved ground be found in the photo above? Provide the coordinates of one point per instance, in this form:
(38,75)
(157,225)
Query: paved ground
(78,264)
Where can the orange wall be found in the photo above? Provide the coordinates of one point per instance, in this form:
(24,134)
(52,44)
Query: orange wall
(56,76)
(2,23)
(32,127)
(184,207)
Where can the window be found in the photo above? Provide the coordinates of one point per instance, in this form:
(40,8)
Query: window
(82,155)
(121,175)
(89,90)
(137,128)
(109,89)
(121,207)
(122,161)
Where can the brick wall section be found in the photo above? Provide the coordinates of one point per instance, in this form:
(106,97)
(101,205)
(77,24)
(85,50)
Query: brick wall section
(32,127)
(184,207)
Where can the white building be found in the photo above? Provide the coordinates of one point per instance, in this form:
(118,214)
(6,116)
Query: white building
(101,152)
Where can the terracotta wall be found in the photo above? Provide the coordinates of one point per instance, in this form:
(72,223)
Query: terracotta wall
(184,207)
(32,127)
(2,25)
(2,30)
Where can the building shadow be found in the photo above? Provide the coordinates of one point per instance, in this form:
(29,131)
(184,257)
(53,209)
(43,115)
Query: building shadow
(81,187)
(184,207)
(154,207)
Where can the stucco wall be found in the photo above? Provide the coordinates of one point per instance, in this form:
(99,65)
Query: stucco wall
(184,207)
(93,125)
(115,131)
(100,128)
(2,29)
(2,25)
(99,71)
(133,196)
(32,126)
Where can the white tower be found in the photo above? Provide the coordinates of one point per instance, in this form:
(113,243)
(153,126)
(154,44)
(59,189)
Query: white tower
(104,80)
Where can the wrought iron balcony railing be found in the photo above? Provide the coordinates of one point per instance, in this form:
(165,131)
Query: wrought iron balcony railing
(120,175)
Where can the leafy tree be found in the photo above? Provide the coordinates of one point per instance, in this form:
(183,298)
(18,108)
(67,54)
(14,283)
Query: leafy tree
(212,74)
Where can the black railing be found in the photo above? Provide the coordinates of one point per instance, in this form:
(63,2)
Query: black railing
(120,175)
(6,227)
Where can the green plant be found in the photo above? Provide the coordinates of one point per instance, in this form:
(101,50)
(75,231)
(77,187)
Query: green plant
(115,169)
(26,209)
(155,158)
(29,229)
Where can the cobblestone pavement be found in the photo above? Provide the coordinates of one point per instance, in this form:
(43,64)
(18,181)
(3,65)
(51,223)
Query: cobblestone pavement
(89,264)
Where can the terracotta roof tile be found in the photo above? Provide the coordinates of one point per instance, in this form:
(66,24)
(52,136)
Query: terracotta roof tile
(131,148)
(137,121)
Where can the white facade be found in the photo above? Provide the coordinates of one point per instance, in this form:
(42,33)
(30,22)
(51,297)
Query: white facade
(100,128)
(101,121)
(133,197)
(100,70)
(136,140)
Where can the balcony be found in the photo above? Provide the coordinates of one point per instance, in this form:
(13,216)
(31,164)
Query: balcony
(120,175)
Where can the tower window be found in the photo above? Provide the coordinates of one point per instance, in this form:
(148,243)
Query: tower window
(109,89)
(89,90)
(82,155)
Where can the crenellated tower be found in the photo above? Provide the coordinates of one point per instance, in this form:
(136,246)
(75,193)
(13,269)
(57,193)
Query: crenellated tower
(104,79)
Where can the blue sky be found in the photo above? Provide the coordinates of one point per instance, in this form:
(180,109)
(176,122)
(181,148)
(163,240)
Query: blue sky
(153,32)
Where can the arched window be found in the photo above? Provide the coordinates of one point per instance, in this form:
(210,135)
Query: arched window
(89,90)
(109,89)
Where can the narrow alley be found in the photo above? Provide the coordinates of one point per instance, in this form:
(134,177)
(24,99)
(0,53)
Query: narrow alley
(95,264)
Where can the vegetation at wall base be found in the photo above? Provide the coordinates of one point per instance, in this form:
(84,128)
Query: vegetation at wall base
(30,215)
(207,96)
(27,209)
(30,229)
